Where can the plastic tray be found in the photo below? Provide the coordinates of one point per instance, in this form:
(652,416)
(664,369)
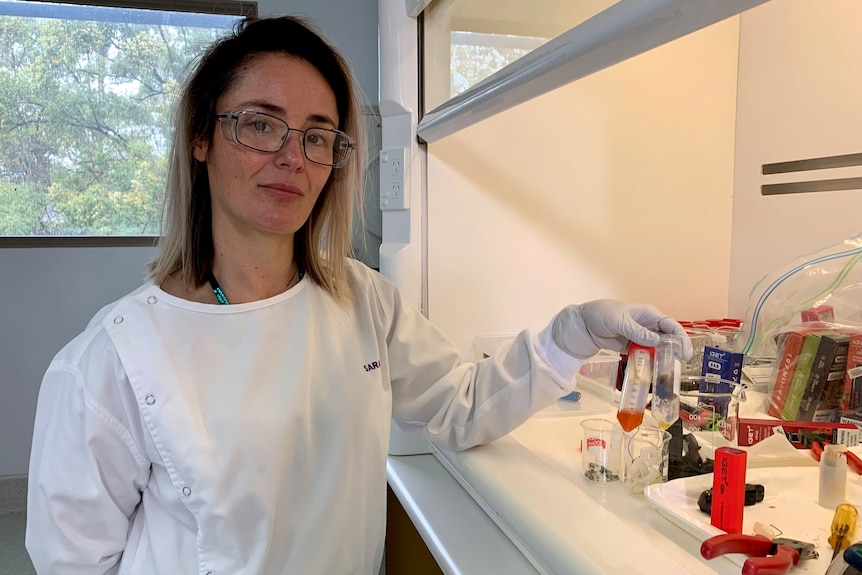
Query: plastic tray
(789,504)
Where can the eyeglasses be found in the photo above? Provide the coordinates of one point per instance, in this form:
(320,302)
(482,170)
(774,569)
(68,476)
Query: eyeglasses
(266,133)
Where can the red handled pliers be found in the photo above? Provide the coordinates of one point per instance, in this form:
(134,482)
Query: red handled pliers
(766,557)
(853,461)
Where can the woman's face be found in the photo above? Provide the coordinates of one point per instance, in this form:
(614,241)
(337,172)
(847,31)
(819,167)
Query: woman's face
(268,193)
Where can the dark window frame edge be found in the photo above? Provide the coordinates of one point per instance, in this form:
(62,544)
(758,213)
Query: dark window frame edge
(77,241)
(224,7)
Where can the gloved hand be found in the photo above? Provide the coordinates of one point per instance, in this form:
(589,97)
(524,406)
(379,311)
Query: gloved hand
(582,330)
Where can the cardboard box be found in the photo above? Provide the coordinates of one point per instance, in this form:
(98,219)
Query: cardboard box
(724,363)
(801,374)
(819,313)
(832,345)
(799,433)
(851,417)
(852,400)
(789,348)
(720,370)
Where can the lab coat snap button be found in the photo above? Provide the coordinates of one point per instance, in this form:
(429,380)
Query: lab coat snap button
(118,319)
(152,299)
(150,399)
(187,491)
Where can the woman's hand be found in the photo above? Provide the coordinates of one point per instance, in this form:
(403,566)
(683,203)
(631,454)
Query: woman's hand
(581,330)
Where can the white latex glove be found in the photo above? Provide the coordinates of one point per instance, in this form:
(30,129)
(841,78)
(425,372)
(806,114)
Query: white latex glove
(582,330)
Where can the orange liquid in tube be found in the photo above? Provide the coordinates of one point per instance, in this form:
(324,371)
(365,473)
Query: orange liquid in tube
(630,419)
(636,385)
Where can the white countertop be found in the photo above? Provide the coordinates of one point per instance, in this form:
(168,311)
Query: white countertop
(531,482)
(514,507)
(460,535)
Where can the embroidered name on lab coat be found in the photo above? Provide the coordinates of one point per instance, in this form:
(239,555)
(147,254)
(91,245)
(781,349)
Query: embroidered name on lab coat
(371,366)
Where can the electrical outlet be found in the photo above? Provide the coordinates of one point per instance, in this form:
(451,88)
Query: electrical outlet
(394,171)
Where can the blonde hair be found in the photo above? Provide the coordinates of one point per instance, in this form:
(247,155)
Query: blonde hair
(323,243)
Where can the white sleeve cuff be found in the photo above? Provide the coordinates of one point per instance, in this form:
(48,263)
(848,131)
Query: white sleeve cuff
(563,363)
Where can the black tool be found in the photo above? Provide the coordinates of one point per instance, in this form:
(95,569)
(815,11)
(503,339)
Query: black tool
(753,494)
(686,460)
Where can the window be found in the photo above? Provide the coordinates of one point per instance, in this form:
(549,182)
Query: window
(466,41)
(85,111)
(476,56)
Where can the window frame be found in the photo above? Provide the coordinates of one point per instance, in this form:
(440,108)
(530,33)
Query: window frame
(243,9)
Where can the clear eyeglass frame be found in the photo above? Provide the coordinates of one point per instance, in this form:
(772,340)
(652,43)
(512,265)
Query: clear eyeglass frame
(274,140)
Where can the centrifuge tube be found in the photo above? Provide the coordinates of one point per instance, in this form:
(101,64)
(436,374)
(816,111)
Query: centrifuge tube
(636,384)
(666,380)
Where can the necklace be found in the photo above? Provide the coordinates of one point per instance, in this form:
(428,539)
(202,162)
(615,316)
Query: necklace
(222,299)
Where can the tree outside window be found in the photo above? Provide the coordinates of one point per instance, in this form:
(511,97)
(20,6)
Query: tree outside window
(85,115)
(475,56)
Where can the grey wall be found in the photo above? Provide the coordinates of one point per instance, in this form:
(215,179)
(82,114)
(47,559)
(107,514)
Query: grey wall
(350,24)
(47,295)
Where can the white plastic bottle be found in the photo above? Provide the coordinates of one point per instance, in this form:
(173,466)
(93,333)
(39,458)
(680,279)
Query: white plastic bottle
(833,476)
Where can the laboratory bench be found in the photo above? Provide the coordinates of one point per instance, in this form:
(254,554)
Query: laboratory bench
(460,536)
(521,505)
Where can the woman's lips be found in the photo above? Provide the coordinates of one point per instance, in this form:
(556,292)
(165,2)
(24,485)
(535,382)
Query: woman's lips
(282,189)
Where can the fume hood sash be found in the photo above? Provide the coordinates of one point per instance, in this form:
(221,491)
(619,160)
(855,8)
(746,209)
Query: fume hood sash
(622,31)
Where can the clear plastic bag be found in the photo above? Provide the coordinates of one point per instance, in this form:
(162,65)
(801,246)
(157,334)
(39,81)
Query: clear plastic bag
(829,279)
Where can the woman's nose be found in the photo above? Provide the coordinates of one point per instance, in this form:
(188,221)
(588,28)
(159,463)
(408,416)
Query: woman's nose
(291,155)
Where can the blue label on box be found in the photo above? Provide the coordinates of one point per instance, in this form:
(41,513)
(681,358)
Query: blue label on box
(720,368)
(723,363)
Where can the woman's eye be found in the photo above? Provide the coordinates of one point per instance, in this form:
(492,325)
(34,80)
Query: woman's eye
(260,126)
(316,139)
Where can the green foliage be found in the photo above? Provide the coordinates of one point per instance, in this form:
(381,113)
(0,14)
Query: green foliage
(470,64)
(20,210)
(85,123)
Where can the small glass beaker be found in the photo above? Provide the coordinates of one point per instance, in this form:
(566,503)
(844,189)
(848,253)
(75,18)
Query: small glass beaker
(600,450)
(645,458)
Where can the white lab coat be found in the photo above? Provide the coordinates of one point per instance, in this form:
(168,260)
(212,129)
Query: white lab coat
(175,437)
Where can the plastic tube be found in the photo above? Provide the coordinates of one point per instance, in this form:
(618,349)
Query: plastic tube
(666,380)
(636,384)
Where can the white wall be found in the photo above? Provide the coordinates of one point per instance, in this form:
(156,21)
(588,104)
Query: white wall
(800,96)
(618,185)
(48,295)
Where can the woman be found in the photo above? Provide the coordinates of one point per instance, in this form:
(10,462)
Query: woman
(178,434)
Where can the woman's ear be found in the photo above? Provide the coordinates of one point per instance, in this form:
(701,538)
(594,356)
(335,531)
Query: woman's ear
(200,147)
